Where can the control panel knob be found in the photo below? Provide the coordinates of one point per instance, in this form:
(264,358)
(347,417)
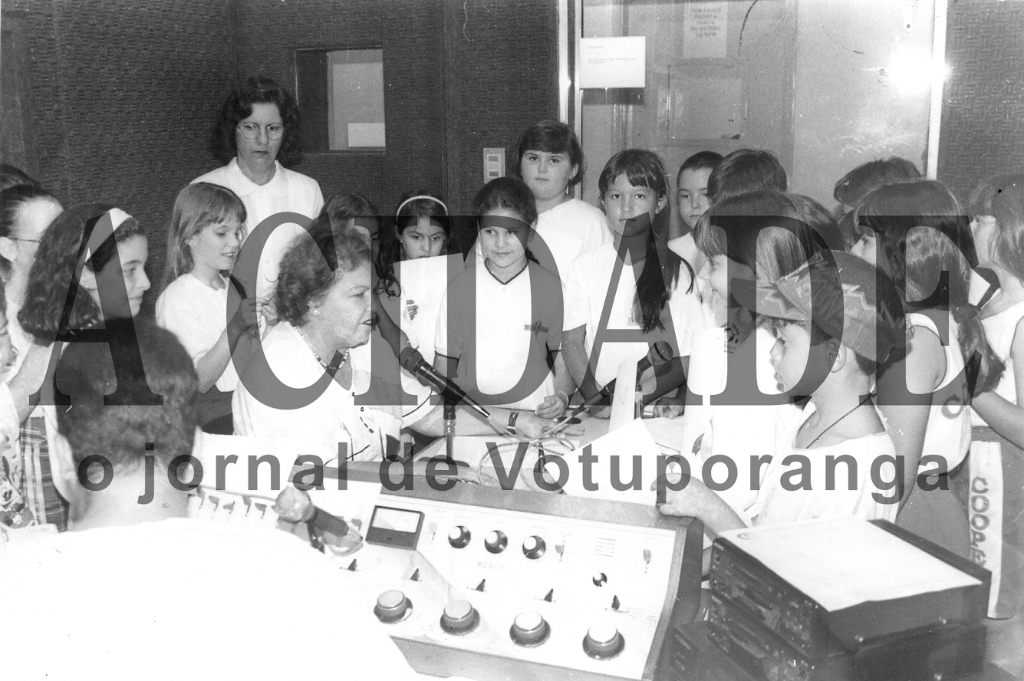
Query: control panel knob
(603,641)
(459,617)
(459,536)
(530,629)
(534,547)
(392,606)
(495,541)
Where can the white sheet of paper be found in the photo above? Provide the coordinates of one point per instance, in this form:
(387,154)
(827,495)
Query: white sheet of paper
(705,30)
(424,281)
(842,563)
(625,443)
(613,62)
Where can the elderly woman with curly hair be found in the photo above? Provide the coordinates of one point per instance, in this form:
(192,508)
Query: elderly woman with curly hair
(323,305)
(257,134)
(303,388)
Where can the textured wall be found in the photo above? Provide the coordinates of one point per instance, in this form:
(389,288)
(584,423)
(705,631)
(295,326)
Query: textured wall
(502,78)
(983,111)
(125,91)
(410,32)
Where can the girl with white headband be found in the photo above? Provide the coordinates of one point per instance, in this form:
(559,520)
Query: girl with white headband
(90,266)
(421,230)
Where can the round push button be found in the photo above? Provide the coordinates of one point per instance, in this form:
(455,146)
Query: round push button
(534,547)
(459,536)
(530,629)
(495,541)
(392,606)
(603,641)
(459,617)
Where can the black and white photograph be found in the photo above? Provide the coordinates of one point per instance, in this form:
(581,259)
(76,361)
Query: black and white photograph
(512,340)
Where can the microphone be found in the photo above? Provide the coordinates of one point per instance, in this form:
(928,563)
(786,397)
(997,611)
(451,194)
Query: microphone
(412,361)
(661,353)
(295,506)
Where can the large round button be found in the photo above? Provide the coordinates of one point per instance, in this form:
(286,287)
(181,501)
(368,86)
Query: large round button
(495,541)
(534,547)
(459,536)
(392,606)
(459,617)
(603,641)
(530,629)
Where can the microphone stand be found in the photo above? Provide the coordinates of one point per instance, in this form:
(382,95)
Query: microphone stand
(449,429)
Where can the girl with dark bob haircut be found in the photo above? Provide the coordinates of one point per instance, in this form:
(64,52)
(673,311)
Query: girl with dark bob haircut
(238,106)
(552,137)
(309,266)
(53,279)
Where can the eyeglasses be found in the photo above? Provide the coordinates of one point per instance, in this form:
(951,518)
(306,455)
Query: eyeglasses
(252,130)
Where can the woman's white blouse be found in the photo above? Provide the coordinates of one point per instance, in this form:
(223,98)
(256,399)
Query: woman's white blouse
(331,426)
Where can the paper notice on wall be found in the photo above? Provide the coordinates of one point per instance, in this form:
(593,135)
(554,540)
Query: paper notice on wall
(613,62)
(705,29)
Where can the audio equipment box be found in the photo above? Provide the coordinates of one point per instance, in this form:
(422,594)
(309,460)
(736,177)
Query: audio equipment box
(743,584)
(486,583)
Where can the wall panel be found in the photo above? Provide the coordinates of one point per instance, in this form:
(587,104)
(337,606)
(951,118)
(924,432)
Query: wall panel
(983,110)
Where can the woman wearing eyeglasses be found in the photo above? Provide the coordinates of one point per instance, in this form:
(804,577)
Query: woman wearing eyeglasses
(256,132)
(25,213)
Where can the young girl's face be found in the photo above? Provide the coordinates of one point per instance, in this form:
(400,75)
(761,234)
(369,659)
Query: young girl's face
(425,239)
(622,201)
(693,194)
(546,174)
(983,228)
(503,241)
(799,366)
(369,228)
(132,254)
(866,248)
(215,246)
(715,275)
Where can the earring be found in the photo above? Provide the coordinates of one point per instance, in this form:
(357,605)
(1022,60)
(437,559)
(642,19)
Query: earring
(316,311)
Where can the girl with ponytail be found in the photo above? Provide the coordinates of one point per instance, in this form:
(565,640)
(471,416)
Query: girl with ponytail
(919,237)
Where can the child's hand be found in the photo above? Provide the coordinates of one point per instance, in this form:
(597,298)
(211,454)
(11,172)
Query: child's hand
(268,312)
(678,502)
(668,408)
(553,406)
(534,428)
(411,308)
(601,412)
(245,316)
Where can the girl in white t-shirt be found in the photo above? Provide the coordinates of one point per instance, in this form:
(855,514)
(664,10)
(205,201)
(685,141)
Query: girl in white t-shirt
(623,297)
(760,236)
(919,237)
(997,205)
(550,161)
(499,330)
(207,229)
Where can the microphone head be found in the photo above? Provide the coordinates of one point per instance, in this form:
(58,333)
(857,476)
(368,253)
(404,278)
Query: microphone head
(294,506)
(661,352)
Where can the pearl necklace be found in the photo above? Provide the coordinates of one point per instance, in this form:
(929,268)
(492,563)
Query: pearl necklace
(335,364)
